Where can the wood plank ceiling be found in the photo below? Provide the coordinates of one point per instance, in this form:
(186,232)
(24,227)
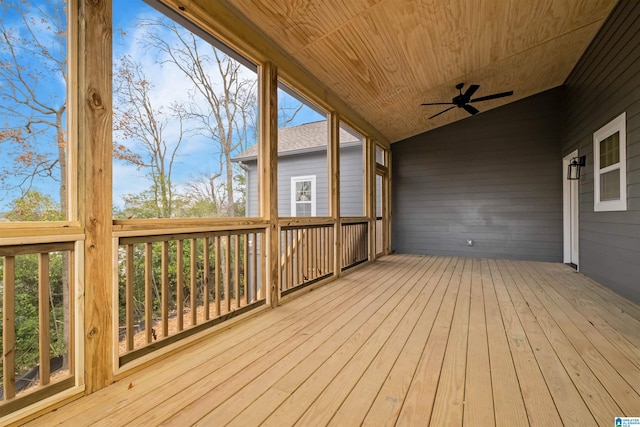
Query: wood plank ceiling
(386,57)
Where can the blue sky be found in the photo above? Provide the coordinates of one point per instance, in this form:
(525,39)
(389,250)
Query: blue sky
(196,155)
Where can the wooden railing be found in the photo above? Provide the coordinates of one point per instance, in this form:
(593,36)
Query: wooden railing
(307,255)
(172,286)
(355,242)
(37,319)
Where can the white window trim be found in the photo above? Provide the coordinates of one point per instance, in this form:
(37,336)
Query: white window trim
(295,179)
(619,124)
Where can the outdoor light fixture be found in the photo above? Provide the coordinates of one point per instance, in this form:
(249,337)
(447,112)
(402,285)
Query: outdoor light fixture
(577,163)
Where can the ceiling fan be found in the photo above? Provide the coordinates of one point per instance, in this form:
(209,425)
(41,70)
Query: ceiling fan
(464,99)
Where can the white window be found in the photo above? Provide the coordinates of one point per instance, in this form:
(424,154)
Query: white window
(303,195)
(610,166)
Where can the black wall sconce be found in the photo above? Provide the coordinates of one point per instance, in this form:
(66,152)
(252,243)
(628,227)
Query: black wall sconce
(577,163)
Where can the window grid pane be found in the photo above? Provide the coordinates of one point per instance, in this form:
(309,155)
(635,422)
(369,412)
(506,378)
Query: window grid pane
(610,185)
(610,150)
(303,191)
(303,209)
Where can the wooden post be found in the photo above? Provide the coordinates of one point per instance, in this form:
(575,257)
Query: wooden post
(94,176)
(334,202)
(387,212)
(268,166)
(370,198)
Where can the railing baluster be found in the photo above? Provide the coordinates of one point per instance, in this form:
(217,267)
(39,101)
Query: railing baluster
(217,273)
(263,268)
(148,291)
(315,251)
(227,273)
(129,332)
(294,245)
(245,269)
(8,327)
(206,276)
(179,283)
(307,262)
(287,259)
(165,288)
(254,273)
(194,280)
(43,309)
(236,269)
(299,244)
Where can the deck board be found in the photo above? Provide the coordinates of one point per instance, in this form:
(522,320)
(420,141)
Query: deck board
(408,340)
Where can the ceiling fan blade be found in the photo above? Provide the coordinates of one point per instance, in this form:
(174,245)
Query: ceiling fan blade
(494,96)
(471,109)
(444,111)
(469,93)
(439,103)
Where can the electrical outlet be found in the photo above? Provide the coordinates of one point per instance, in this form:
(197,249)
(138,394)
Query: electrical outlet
(469,242)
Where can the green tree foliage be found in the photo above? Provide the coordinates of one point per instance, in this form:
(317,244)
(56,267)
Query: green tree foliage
(34,206)
(26,311)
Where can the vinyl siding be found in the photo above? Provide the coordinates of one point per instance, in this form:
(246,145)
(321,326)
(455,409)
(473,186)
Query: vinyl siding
(605,83)
(494,178)
(314,164)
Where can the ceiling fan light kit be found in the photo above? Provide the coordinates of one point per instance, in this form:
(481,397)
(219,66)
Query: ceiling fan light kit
(462,100)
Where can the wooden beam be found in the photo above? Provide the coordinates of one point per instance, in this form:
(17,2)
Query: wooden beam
(268,166)
(94,179)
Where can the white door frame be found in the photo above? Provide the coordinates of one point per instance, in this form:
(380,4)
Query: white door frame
(570,213)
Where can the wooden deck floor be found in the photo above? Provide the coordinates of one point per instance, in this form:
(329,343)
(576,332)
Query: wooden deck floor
(407,341)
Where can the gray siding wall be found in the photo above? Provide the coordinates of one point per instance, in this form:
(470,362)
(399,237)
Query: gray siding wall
(494,178)
(351,181)
(314,163)
(605,83)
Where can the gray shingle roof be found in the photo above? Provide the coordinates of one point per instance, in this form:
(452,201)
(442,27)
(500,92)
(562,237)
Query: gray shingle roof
(301,138)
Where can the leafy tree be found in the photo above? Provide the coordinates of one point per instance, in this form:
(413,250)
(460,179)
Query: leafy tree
(34,206)
(26,310)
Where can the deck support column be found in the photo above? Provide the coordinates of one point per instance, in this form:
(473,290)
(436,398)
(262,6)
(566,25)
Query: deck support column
(370,193)
(334,200)
(94,178)
(268,166)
